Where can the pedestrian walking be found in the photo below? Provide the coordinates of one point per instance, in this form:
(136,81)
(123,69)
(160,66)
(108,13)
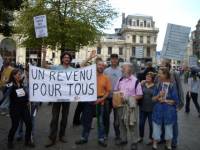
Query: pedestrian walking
(193,90)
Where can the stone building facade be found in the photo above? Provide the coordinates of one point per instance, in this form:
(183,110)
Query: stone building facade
(135,40)
(196,40)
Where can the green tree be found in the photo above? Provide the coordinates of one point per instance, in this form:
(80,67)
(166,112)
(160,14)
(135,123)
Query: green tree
(71,23)
(7,7)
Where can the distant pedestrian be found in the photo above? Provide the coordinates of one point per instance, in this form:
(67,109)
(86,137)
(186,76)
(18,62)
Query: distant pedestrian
(193,90)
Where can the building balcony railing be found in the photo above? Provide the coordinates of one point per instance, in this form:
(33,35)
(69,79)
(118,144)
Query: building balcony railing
(139,28)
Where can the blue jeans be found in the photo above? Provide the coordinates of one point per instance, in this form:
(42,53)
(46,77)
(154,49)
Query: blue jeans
(88,113)
(157,130)
(100,121)
(19,133)
(143,117)
(175,133)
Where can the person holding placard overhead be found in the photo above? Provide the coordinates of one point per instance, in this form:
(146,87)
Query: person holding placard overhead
(65,60)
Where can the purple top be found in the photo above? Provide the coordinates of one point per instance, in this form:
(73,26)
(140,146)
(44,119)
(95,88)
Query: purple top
(127,86)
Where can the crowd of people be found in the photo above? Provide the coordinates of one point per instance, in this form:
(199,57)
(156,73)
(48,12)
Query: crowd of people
(153,94)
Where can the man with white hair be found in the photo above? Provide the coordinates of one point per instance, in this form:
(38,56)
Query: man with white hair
(131,91)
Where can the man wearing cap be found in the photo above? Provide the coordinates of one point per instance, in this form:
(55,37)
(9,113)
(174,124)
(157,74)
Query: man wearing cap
(114,73)
(131,91)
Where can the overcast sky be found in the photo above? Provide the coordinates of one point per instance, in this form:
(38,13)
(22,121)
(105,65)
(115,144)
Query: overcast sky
(181,12)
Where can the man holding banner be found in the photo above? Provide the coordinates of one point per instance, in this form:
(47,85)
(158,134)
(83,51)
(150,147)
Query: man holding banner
(65,60)
(103,91)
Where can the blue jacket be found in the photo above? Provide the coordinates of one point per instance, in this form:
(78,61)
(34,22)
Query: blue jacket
(164,113)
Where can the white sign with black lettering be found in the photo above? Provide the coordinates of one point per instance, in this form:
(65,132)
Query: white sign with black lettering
(20,92)
(40,24)
(175,43)
(47,85)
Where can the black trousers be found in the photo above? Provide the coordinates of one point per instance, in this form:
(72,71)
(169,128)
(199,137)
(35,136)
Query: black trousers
(107,110)
(55,119)
(194,97)
(78,112)
(16,114)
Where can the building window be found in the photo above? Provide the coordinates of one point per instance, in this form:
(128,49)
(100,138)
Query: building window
(134,38)
(148,39)
(141,39)
(120,50)
(138,22)
(148,52)
(133,23)
(141,24)
(109,50)
(148,24)
(155,39)
(133,51)
(145,23)
(98,50)
(130,22)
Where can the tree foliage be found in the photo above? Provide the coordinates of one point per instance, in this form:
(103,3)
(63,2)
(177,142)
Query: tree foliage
(7,7)
(71,23)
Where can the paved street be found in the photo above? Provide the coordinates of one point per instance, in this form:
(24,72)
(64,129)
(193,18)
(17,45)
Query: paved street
(189,127)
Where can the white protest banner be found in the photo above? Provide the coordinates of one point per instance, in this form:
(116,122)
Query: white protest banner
(40,24)
(175,43)
(47,85)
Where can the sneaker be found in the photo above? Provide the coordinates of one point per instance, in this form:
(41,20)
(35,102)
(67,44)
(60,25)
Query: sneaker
(19,139)
(81,142)
(50,143)
(154,147)
(102,143)
(168,147)
(134,146)
(29,144)
(63,140)
(150,142)
(122,143)
(10,145)
(140,140)
(3,113)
